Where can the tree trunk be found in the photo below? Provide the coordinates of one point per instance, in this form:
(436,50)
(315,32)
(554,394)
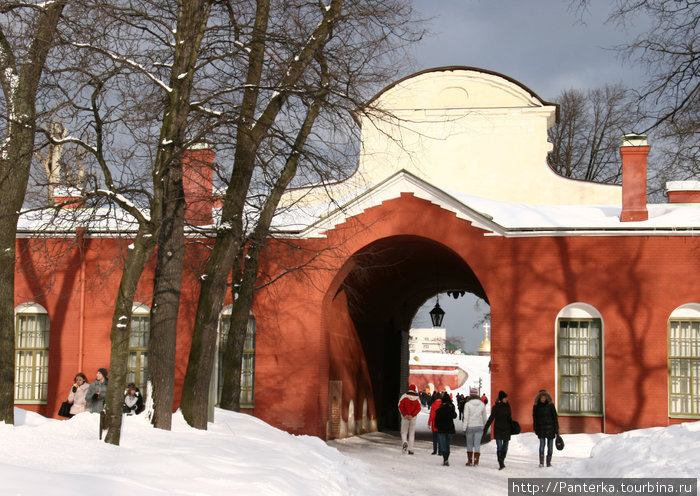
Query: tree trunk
(192,21)
(251,131)
(20,89)
(136,260)
(195,393)
(242,301)
(166,300)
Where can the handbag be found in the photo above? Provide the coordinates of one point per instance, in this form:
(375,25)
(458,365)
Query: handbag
(514,427)
(559,442)
(64,411)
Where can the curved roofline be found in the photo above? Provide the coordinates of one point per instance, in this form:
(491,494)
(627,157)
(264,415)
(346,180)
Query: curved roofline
(466,68)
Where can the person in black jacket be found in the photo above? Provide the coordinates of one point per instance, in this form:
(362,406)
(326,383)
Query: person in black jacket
(501,430)
(546,423)
(445,425)
(133,401)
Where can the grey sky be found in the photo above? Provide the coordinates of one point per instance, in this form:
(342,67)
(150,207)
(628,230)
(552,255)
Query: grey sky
(540,43)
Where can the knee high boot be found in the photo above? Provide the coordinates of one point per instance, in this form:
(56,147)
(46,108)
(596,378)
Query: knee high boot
(469,458)
(499,455)
(476,459)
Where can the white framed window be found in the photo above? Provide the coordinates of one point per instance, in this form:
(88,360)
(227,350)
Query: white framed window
(579,360)
(137,365)
(684,361)
(31,354)
(248,360)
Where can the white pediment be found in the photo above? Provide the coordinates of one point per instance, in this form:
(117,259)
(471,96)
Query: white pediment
(392,188)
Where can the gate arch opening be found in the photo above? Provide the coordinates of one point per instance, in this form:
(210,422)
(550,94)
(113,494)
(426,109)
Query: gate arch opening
(370,315)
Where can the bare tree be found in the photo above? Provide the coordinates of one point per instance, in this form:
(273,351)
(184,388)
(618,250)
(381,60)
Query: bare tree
(668,50)
(293,48)
(129,83)
(586,138)
(27,33)
(192,20)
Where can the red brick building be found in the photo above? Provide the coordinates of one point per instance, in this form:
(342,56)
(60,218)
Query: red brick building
(593,292)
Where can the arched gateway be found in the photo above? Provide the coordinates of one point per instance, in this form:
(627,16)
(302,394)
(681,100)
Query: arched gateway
(453,191)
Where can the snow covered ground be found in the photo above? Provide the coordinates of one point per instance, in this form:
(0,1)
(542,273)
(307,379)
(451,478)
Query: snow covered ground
(242,455)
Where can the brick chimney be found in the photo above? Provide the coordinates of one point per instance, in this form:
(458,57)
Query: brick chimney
(67,197)
(683,191)
(197,181)
(634,151)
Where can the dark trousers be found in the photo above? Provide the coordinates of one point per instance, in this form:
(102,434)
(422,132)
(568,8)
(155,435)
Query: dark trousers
(444,439)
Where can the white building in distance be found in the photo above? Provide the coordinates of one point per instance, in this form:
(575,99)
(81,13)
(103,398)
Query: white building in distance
(427,340)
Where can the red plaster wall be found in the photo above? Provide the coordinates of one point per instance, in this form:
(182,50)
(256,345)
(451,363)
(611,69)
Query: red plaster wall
(635,282)
(422,379)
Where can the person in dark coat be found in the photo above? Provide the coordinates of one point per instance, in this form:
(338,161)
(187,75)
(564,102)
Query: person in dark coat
(461,401)
(501,415)
(444,422)
(133,401)
(546,423)
(97,392)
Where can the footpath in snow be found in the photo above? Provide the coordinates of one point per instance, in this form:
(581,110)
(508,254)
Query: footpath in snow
(242,455)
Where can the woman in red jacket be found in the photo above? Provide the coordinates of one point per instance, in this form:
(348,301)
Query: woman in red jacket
(409,407)
(431,422)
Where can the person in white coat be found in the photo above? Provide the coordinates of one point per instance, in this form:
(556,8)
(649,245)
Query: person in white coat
(76,397)
(473,425)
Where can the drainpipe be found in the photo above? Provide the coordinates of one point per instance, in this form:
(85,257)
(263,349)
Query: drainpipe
(634,151)
(81,317)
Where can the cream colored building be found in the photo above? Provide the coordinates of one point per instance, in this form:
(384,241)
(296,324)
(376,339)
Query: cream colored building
(427,340)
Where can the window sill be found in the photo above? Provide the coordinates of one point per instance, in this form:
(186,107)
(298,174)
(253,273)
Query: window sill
(685,415)
(585,414)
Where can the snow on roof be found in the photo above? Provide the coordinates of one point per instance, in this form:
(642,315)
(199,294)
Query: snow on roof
(495,216)
(520,216)
(498,217)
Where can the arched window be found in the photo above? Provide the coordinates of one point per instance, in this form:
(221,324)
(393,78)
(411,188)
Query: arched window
(138,345)
(579,360)
(31,353)
(248,362)
(684,361)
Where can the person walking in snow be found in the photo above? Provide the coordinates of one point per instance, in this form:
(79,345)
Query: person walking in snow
(76,397)
(97,392)
(546,423)
(435,404)
(461,400)
(501,430)
(473,425)
(444,421)
(409,407)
